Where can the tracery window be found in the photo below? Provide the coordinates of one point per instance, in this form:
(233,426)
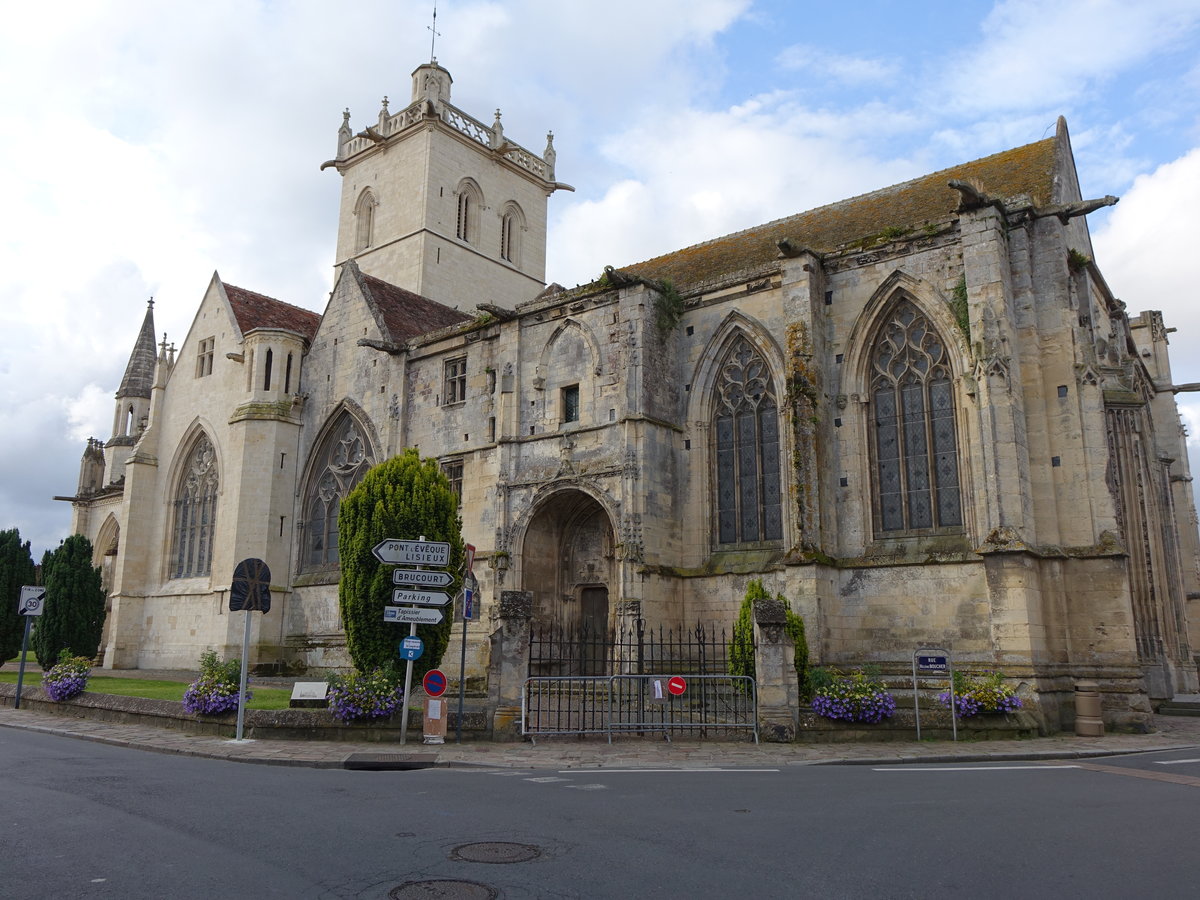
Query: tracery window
(915,444)
(344,459)
(746,430)
(512,225)
(195,513)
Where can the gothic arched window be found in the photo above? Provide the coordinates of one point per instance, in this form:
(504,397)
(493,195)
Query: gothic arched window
(344,458)
(746,430)
(470,201)
(512,225)
(365,227)
(195,512)
(914,440)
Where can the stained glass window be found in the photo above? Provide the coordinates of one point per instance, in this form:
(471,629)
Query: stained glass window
(344,458)
(195,513)
(746,429)
(916,447)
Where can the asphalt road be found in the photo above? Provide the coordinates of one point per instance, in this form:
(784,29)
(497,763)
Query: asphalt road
(91,821)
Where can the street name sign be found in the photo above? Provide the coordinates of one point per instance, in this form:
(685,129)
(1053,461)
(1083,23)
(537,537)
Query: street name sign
(420,598)
(412,614)
(421,577)
(933,663)
(32,600)
(412,553)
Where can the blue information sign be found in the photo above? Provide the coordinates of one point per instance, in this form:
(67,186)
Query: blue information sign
(411,648)
(932,663)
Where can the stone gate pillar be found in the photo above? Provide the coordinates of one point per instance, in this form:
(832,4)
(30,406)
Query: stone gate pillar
(775,671)
(509,664)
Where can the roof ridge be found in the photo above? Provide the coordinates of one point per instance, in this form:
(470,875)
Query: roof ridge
(839,203)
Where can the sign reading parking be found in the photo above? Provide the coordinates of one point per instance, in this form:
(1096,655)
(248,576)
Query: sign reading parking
(434,683)
(412,553)
(33,601)
(420,598)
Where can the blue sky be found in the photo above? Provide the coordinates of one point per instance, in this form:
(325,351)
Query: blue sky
(145,144)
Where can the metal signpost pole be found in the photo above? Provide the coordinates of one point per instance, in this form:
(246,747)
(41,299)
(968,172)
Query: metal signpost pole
(408,667)
(242,687)
(21,668)
(916,700)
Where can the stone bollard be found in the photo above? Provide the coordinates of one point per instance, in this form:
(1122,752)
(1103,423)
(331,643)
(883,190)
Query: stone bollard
(1088,721)
(775,672)
(509,664)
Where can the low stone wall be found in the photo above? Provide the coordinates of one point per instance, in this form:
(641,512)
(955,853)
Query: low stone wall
(260,724)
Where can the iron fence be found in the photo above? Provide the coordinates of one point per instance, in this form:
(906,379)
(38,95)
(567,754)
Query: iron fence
(632,649)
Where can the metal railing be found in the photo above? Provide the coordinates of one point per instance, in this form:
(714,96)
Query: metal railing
(579,705)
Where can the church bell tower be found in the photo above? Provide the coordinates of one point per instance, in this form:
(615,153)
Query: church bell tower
(437,202)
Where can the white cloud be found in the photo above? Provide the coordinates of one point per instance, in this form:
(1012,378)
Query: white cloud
(851,70)
(1146,250)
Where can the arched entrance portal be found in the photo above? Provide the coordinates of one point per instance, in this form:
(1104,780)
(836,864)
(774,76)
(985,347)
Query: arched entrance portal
(567,563)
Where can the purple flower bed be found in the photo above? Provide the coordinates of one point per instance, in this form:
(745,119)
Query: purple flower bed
(209,697)
(357,697)
(67,679)
(858,708)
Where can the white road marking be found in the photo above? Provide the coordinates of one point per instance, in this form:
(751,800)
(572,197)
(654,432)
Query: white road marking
(656,771)
(587,787)
(546,780)
(963,768)
(506,773)
(1174,762)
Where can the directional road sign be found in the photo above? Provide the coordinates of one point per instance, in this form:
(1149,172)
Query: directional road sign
(420,598)
(411,648)
(32,600)
(421,577)
(412,614)
(412,553)
(434,683)
(676,685)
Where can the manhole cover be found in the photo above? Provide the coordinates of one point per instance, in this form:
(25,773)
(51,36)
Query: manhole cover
(495,852)
(443,890)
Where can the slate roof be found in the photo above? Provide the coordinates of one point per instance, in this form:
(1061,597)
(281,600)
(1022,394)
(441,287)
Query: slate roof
(402,313)
(139,371)
(259,311)
(1028,170)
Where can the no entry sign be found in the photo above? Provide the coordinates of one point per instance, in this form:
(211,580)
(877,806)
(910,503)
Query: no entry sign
(676,685)
(434,683)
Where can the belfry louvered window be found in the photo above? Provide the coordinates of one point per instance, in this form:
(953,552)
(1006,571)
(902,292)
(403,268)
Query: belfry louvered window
(746,439)
(915,444)
(195,513)
(343,459)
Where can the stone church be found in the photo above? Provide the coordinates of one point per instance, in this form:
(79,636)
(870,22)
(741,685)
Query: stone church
(919,413)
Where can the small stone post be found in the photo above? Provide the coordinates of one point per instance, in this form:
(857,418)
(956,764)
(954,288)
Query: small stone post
(629,614)
(775,672)
(509,664)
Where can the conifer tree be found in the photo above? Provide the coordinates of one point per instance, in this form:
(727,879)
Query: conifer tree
(16,569)
(402,498)
(74,612)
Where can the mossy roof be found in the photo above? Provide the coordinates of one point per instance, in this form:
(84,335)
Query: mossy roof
(1029,170)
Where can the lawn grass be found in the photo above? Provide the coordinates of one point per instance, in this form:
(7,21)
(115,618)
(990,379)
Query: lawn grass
(263,697)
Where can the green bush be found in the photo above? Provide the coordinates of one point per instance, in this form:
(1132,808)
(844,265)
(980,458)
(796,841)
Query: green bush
(74,610)
(400,499)
(16,569)
(741,645)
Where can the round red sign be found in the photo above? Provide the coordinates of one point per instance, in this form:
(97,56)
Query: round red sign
(676,685)
(434,683)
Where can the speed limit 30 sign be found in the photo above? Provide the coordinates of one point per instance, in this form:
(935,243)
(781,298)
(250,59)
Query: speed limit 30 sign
(33,600)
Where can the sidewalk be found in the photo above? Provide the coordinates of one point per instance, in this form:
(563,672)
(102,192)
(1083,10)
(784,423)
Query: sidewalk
(1174,732)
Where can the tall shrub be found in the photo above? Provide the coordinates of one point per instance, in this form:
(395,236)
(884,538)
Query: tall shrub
(741,646)
(399,499)
(74,612)
(16,569)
